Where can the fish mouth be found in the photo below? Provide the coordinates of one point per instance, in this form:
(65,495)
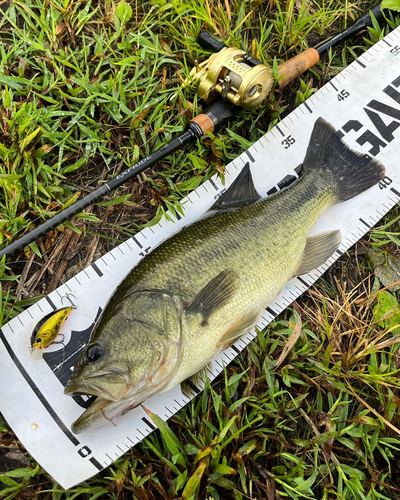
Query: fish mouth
(102,411)
(97,385)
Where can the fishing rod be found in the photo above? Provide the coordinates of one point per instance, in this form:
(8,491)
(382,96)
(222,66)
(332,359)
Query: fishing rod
(230,80)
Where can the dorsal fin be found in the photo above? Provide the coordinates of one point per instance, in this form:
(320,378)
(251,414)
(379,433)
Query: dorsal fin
(240,194)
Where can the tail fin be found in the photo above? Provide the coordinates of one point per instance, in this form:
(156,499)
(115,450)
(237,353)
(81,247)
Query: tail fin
(352,173)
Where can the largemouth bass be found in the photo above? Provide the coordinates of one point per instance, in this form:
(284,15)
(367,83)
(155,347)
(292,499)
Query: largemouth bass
(201,290)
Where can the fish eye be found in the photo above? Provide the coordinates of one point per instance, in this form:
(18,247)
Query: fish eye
(38,340)
(93,353)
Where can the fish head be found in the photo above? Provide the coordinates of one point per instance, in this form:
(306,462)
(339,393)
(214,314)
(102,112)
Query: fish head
(99,372)
(134,350)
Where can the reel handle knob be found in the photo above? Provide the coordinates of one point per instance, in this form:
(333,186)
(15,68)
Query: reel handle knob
(208,42)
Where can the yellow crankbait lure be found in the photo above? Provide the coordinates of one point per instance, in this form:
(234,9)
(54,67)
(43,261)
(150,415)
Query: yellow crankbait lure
(48,328)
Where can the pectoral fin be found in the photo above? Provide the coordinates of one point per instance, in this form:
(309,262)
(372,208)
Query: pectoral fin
(215,294)
(318,249)
(242,325)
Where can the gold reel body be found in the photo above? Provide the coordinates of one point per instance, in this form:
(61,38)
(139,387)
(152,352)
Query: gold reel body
(227,73)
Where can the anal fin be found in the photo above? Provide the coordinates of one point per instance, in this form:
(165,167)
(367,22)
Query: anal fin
(196,382)
(318,249)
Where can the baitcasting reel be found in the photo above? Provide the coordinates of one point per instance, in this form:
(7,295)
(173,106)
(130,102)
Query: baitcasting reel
(234,75)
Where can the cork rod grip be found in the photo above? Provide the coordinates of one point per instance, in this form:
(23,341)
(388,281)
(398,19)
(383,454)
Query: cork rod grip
(204,122)
(296,66)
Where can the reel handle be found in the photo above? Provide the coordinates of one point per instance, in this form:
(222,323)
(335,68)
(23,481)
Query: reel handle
(208,42)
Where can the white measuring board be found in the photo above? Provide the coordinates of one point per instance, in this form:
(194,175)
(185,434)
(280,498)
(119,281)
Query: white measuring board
(363,102)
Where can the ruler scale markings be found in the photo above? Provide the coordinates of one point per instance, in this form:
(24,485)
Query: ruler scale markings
(213,184)
(96,463)
(303,281)
(149,424)
(235,349)
(95,267)
(86,273)
(279,130)
(48,299)
(365,223)
(137,242)
(225,355)
(251,158)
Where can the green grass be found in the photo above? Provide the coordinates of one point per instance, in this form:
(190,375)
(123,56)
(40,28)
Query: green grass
(88,89)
